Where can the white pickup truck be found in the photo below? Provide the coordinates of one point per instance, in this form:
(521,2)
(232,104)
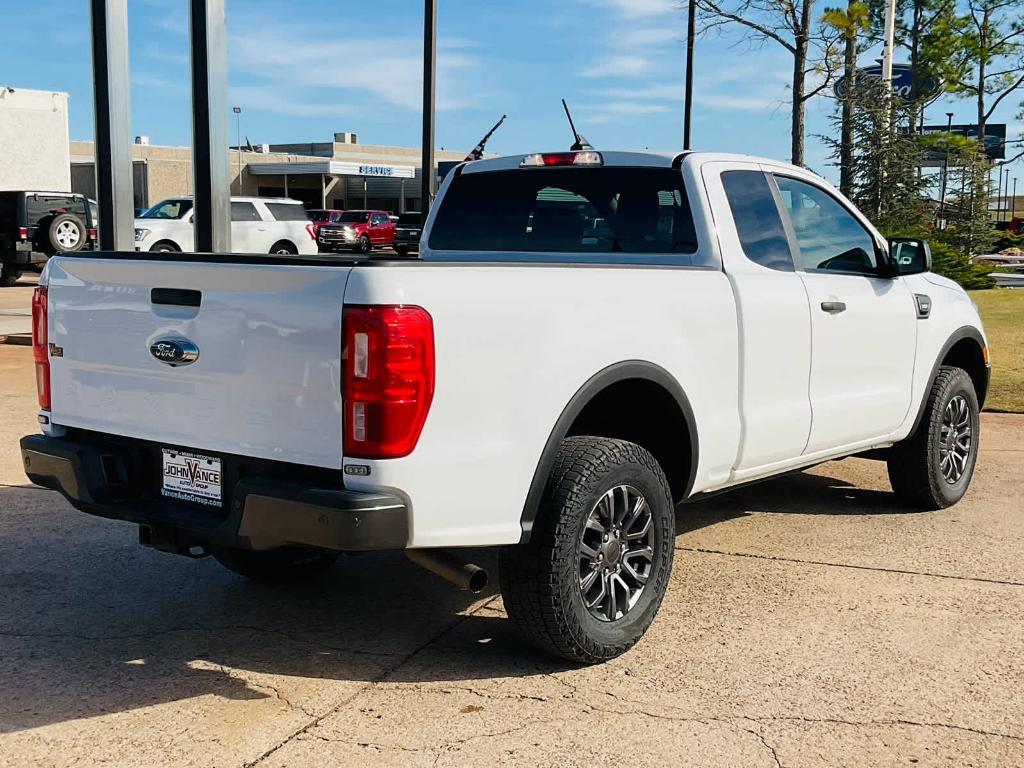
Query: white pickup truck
(586,340)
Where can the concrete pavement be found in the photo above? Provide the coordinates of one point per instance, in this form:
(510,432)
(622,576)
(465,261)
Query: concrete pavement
(810,622)
(16,306)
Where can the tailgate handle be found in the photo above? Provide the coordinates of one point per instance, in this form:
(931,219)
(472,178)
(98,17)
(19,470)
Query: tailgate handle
(176,297)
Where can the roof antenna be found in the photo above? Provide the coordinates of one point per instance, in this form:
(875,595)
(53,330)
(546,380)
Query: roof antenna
(581,142)
(478,150)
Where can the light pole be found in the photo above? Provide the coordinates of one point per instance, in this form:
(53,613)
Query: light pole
(238,134)
(1013,200)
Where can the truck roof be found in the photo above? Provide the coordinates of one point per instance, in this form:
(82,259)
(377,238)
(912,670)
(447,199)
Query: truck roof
(623,159)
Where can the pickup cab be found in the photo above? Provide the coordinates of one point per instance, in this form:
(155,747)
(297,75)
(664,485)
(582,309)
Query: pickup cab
(358,231)
(271,225)
(586,340)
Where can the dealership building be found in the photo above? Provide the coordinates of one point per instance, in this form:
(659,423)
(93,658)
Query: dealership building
(342,173)
(336,174)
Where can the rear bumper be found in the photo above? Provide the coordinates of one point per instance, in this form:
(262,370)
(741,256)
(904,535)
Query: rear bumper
(262,511)
(23,255)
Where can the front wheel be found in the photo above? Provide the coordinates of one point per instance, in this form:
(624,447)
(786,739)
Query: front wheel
(276,566)
(933,467)
(363,246)
(283,248)
(590,580)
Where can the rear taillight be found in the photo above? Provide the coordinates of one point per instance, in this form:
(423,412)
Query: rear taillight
(389,379)
(23,233)
(40,344)
(312,231)
(91,234)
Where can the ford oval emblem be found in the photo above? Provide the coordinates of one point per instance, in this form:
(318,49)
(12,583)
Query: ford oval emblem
(174,352)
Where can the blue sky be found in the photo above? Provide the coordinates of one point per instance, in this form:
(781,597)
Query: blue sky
(303,69)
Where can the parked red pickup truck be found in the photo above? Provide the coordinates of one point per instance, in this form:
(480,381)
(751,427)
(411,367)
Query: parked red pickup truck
(358,231)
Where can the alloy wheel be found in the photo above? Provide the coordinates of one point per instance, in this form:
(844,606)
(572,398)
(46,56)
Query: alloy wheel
(955,439)
(616,553)
(67,234)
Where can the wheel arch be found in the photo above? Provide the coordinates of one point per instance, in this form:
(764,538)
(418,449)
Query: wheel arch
(965,348)
(659,418)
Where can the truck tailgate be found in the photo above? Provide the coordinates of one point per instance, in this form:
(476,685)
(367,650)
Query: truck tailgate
(267,380)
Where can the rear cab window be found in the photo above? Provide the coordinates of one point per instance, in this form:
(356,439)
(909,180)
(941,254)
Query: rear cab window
(758,222)
(612,214)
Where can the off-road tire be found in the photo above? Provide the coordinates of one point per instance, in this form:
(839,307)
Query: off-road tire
(276,566)
(59,224)
(9,275)
(915,465)
(540,578)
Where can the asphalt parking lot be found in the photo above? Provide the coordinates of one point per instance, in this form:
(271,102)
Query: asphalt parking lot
(810,622)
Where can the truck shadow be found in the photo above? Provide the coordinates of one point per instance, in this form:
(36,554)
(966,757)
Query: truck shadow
(90,623)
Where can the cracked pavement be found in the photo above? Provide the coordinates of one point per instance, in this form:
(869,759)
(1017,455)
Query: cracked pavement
(810,621)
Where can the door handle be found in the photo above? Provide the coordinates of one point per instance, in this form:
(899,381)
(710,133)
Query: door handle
(833,307)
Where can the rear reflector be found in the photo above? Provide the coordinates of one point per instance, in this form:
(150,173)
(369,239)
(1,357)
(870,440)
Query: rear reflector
(547,159)
(388,379)
(23,233)
(40,344)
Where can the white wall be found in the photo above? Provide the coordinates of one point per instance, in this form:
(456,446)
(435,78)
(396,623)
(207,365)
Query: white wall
(34,152)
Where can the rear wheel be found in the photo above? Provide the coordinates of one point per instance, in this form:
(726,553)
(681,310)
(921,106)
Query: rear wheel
(283,248)
(589,582)
(9,275)
(276,566)
(164,248)
(933,467)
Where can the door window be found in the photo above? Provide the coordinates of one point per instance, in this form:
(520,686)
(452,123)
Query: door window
(830,238)
(244,212)
(758,222)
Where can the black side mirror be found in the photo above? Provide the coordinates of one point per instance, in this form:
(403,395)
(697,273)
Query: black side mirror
(909,256)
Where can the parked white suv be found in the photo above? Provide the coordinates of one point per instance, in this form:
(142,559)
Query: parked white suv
(586,339)
(258,225)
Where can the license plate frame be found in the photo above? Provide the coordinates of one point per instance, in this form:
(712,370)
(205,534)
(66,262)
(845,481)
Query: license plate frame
(192,477)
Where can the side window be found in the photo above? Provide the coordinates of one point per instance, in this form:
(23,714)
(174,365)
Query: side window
(244,212)
(830,238)
(757,218)
(287,212)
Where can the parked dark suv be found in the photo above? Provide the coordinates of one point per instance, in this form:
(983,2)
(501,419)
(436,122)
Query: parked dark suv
(407,233)
(36,225)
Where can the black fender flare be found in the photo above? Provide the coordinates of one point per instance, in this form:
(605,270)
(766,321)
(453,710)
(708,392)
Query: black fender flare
(964,332)
(627,369)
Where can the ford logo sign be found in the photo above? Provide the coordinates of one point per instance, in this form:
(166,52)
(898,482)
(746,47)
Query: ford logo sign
(174,352)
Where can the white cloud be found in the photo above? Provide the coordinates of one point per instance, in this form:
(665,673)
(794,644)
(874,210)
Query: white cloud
(620,65)
(639,8)
(332,72)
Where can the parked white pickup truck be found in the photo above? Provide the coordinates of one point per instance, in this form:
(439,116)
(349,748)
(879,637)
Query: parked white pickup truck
(276,225)
(586,339)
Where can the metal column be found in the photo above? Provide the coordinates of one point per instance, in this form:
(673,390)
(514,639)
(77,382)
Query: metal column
(114,177)
(428,175)
(323,191)
(210,126)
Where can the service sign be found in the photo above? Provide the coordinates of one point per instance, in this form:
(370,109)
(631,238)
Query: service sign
(372,170)
(902,82)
